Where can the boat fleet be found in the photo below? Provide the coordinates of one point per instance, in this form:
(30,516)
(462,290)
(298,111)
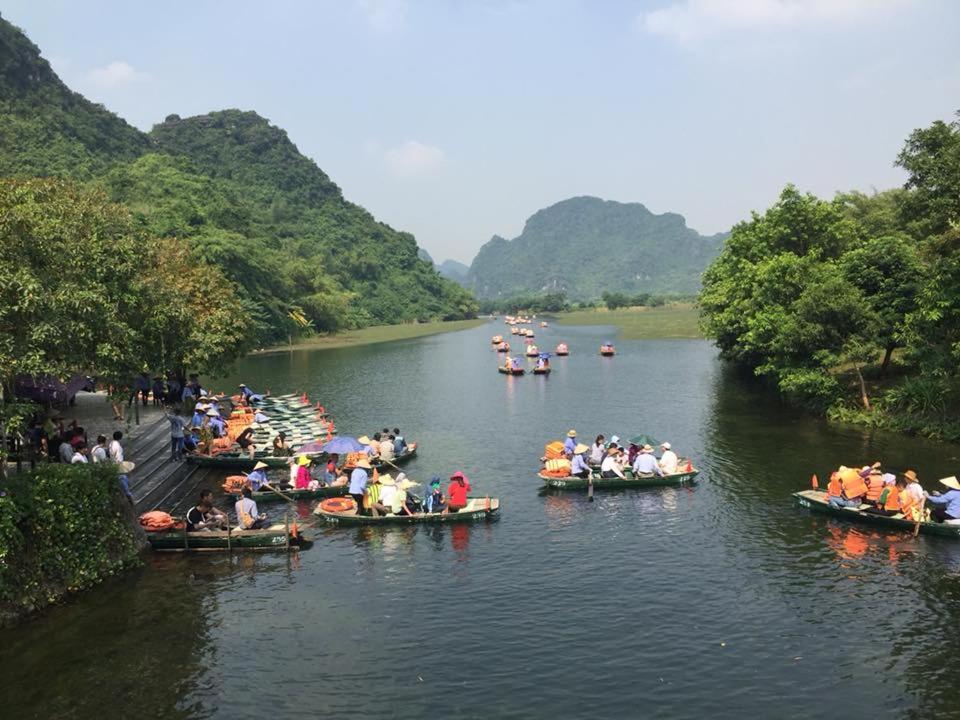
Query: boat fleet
(511,364)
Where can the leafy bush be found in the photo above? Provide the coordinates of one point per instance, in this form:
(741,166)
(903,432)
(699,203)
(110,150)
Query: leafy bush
(63,528)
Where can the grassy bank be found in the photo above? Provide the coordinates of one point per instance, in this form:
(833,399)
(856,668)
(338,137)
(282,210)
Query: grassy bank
(641,323)
(376,334)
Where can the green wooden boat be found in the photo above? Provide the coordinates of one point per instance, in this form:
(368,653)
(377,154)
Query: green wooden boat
(541,371)
(405,456)
(236,461)
(816,500)
(274,537)
(304,494)
(510,371)
(599,483)
(476,509)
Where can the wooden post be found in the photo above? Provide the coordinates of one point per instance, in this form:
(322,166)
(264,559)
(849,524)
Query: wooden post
(186,539)
(229,546)
(286,527)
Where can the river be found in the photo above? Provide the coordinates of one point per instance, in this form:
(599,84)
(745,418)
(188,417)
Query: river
(722,600)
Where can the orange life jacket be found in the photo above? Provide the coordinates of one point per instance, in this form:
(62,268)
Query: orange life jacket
(875,488)
(834,488)
(893,500)
(906,501)
(853,484)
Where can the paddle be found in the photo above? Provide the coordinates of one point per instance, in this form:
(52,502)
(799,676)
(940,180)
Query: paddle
(916,527)
(277,491)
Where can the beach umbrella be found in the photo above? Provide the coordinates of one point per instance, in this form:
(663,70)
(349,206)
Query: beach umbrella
(341,445)
(643,439)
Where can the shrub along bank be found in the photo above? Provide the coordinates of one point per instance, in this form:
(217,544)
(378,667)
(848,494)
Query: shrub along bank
(63,528)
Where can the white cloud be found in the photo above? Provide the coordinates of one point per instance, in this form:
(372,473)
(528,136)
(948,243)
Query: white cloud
(115,74)
(689,20)
(384,15)
(414,159)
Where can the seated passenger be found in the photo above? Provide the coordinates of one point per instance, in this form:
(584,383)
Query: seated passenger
(434,501)
(889,501)
(457,492)
(846,488)
(280,446)
(646,463)
(610,467)
(668,460)
(303,478)
(387,448)
(399,443)
(578,463)
(597,450)
(258,477)
(204,516)
(248,516)
(245,441)
(947,506)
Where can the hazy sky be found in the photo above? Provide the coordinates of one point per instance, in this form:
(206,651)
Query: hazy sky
(455,120)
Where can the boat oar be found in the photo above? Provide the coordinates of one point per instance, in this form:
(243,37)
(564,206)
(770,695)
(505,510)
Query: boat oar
(277,491)
(916,527)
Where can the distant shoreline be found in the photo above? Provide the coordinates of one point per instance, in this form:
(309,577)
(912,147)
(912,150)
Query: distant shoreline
(373,335)
(668,322)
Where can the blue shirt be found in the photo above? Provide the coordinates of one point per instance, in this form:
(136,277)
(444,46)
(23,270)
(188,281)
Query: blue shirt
(196,420)
(358,481)
(646,464)
(569,445)
(257,479)
(216,425)
(951,499)
(578,464)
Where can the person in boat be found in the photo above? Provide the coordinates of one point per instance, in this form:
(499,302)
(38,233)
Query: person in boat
(191,441)
(873,476)
(404,502)
(597,450)
(302,481)
(399,443)
(578,463)
(280,446)
(358,482)
(646,463)
(387,452)
(632,451)
(434,502)
(514,363)
(946,506)
(257,478)
(457,492)
(846,488)
(386,495)
(204,516)
(214,422)
(914,489)
(198,410)
(888,503)
(610,467)
(668,459)
(248,516)
(570,443)
(245,439)
(375,444)
(249,396)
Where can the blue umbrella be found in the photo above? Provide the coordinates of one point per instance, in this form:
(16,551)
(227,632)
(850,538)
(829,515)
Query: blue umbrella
(342,445)
(544,356)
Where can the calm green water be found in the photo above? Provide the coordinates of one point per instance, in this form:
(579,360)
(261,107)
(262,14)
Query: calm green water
(722,600)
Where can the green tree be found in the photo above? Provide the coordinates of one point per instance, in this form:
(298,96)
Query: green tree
(932,158)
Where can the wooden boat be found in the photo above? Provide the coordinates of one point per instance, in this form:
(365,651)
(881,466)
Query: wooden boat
(599,483)
(497,339)
(476,509)
(236,461)
(541,371)
(544,324)
(294,494)
(532,351)
(607,350)
(503,347)
(405,456)
(510,371)
(816,500)
(275,537)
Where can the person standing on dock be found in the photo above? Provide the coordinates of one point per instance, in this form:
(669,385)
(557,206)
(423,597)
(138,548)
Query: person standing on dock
(115,449)
(177,423)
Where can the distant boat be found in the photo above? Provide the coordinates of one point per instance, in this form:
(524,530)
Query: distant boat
(562,349)
(607,350)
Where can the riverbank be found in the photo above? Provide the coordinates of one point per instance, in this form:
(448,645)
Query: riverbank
(676,321)
(375,334)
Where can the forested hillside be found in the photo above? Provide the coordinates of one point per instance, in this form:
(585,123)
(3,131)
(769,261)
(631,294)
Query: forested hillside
(852,305)
(301,258)
(586,246)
